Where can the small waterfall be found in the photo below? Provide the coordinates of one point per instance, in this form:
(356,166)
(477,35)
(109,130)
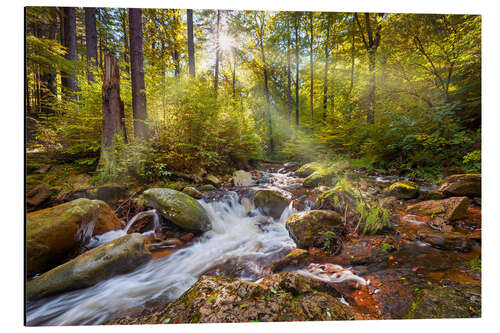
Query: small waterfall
(140,215)
(235,236)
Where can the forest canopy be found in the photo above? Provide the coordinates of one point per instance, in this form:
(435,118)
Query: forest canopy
(140,94)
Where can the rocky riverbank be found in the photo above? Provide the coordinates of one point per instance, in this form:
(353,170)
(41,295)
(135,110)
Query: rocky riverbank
(315,242)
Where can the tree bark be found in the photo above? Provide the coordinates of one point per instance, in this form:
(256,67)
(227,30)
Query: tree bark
(68,80)
(112,111)
(296,26)
(217,53)
(325,85)
(137,73)
(311,63)
(289,74)
(91,41)
(371,42)
(266,86)
(192,62)
(123,21)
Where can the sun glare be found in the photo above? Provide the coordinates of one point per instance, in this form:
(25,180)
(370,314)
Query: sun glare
(226,43)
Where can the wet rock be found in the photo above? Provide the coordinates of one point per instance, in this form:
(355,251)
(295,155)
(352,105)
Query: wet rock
(292,166)
(211,179)
(296,257)
(178,207)
(242,178)
(187,237)
(450,209)
(446,302)
(191,191)
(462,185)
(206,188)
(170,242)
(280,297)
(108,193)
(312,228)
(447,241)
(53,233)
(38,195)
(308,169)
(116,257)
(403,190)
(270,202)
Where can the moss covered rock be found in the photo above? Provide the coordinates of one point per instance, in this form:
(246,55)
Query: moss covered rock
(310,228)
(308,169)
(52,234)
(450,209)
(271,203)
(462,185)
(446,302)
(116,257)
(280,297)
(206,188)
(403,190)
(193,192)
(211,179)
(178,207)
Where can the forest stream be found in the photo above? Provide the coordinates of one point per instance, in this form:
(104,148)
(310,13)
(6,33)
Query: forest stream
(384,275)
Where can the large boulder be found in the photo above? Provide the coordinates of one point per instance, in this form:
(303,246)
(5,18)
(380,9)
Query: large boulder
(462,185)
(242,178)
(270,202)
(280,297)
(52,234)
(450,209)
(180,208)
(314,228)
(403,190)
(116,257)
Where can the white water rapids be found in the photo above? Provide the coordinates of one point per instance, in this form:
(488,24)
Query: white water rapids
(234,235)
(240,236)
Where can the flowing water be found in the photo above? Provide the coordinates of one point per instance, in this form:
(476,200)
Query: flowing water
(239,233)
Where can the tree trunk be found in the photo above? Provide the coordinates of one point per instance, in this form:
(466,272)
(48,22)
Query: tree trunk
(91,41)
(296,26)
(311,62)
(123,19)
(68,80)
(192,66)
(217,53)
(289,75)
(325,85)
(137,73)
(234,75)
(370,117)
(266,89)
(112,112)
